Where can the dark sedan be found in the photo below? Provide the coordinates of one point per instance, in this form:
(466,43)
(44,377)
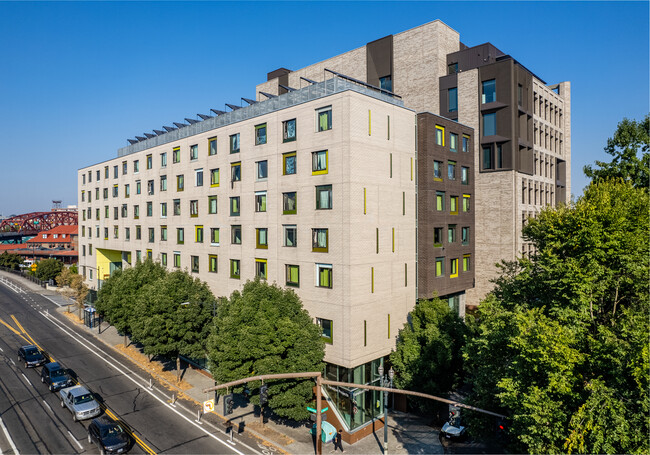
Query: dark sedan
(109,435)
(32,356)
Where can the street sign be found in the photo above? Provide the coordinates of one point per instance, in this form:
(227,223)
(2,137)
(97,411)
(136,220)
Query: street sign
(312,417)
(34,267)
(313,411)
(208,406)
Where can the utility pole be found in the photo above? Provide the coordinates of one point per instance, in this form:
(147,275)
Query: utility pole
(386,381)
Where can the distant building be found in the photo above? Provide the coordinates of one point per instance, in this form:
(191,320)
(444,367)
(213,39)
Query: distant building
(60,242)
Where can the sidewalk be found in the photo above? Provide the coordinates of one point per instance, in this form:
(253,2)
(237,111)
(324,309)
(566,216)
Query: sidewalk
(407,434)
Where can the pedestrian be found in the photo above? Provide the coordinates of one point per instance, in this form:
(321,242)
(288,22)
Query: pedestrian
(337,441)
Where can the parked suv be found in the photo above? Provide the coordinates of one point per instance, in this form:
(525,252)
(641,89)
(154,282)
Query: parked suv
(108,435)
(55,376)
(80,402)
(32,356)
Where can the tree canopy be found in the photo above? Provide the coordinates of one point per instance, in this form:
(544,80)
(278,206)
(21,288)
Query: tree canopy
(265,330)
(48,269)
(10,261)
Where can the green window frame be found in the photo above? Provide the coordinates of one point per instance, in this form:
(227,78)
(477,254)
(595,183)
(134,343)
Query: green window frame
(163,233)
(327,329)
(213,263)
(177,259)
(212,205)
(440,201)
(194,152)
(234,206)
(290,203)
(324,118)
(453,142)
(235,268)
(198,234)
(293,275)
(451,233)
(440,267)
(180,236)
(467,262)
(260,134)
(163,259)
(262,238)
(260,201)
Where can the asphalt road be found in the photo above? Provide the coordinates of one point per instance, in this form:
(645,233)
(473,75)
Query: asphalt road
(31,418)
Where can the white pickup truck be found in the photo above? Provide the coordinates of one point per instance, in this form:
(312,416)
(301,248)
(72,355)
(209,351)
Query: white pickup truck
(80,402)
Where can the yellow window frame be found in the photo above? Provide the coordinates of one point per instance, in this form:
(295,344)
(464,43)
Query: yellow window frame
(210,141)
(212,179)
(453,204)
(466,202)
(442,131)
(213,260)
(466,262)
(198,233)
(284,162)
(266,269)
(453,264)
(259,245)
(327,163)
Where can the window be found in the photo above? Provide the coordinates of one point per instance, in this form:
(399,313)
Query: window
(194,152)
(520,90)
(453,142)
(115,173)
(163,233)
(289,163)
(115,214)
(127,233)
(386,83)
(212,205)
(177,207)
(198,234)
(466,263)
(177,259)
(163,159)
(180,182)
(194,208)
(234,268)
(290,235)
(489,94)
(453,205)
(326,327)
(235,171)
(289,130)
(289,203)
(465,143)
(440,135)
(213,263)
(262,169)
(163,259)
(324,118)
(96,194)
(453,268)
(260,201)
(163,183)
(319,240)
(490,124)
(452,96)
(214,177)
(260,134)
(105,172)
(262,238)
(324,197)
(149,209)
(138,232)
(324,275)
(234,143)
(235,234)
(83,195)
(136,212)
(293,275)
(138,187)
(319,162)
(150,184)
(260,268)
(149,162)
(500,157)
(151,235)
(126,192)
(451,233)
(440,201)
(212,146)
(176,155)
(198,177)
(487,157)
(452,68)
(115,191)
(105,233)
(214,236)
(464,235)
(451,170)
(437,236)
(440,267)
(125,167)
(464,175)
(180,236)
(234,206)
(466,205)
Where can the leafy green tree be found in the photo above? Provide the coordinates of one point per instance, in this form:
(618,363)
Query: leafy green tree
(172,316)
(561,345)
(630,138)
(427,357)
(48,269)
(72,286)
(10,261)
(265,330)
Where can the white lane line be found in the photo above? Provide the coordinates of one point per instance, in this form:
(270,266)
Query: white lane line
(75,440)
(11,441)
(57,304)
(2,350)
(27,380)
(96,350)
(48,406)
(12,361)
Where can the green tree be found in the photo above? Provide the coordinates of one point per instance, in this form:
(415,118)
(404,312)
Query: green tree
(630,138)
(172,316)
(10,261)
(562,344)
(427,357)
(72,286)
(265,330)
(48,269)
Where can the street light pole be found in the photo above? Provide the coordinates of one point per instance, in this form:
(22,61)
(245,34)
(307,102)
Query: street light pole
(386,381)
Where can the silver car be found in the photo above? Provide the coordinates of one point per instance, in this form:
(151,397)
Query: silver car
(80,402)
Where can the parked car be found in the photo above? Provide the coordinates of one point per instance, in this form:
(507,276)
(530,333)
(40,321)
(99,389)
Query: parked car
(55,376)
(80,402)
(109,436)
(32,356)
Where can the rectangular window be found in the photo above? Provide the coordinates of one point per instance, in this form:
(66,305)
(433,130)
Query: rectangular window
(319,162)
(386,83)
(115,191)
(440,135)
(180,182)
(489,93)
(453,205)
(149,208)
(194,152)
(151,235)
(115,173)
(465,143)
(194,209)
(214,236)
(293,275)
(437,236)
(163,183)
(500,157)
(451,170)
(260,134)
(324,118)
(198,234)
(163,161)
(490,124)
(262,238)
(466,263)
(105,172)
(234,143)
(260,268)
(116,231)
(176,155)
(372,280)
(234,268)
(177,259)
(440,201)
(451,233)
(212,263)
(234,206)
(452,95)
(466,204)
(453,268)
(464,175)
(163,259)
(262,169)
(464,235)
(452,68)
(212,146)
(324,197)
(289,203)
(138,187)
(326,327)
(198,177)
(150,187)
(214,177)
(127,233)
(235,171)
(453,142)
(138,232)
(149,162)
(289,163)
(177,207)
(289,130)
(260,201)
(487,157)
(212,205)
(115,213)
(163,233)
(324,275)
(136,212)
(290,235)
(125,167)
(319,240)
(440,267)
(235,234)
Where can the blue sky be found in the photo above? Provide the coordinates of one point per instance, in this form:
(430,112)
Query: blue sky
(78,79)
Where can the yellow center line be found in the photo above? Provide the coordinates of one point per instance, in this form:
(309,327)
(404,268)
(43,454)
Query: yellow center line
(14,330)
(22,329)
(129,430)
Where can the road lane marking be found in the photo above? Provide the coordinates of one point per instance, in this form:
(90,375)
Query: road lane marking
(12,361)
(11,441)
(27,379)
(2,350)
(75,440)
(48,406)
(13,330)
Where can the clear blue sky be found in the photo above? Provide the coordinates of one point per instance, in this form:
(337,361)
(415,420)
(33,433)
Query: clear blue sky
(78,79)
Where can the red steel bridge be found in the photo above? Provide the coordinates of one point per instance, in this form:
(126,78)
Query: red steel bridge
(15,229)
